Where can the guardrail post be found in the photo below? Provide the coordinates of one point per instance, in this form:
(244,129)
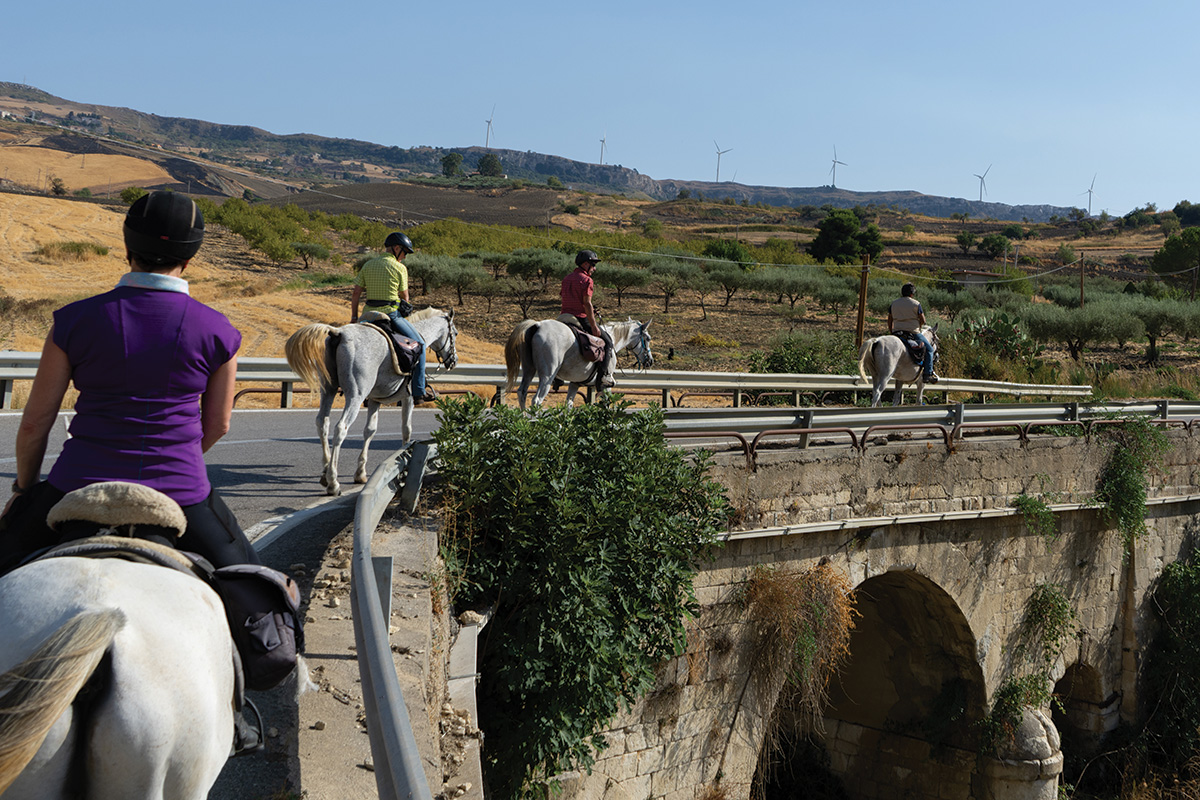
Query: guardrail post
(960,413)
(737,398)
(666,401)
(382,565)
(1073,411)
(6,394)
(806,421)
(411,492)
(1163,407)
(285,395)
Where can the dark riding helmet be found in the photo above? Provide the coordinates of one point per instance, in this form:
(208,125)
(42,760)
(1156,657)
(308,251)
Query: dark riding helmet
(907,290)
(399,239)
(163,228)
(585,255)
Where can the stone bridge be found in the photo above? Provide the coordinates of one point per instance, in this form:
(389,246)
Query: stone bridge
(943,567)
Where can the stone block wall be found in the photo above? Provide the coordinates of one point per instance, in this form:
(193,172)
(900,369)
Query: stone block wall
(700,732)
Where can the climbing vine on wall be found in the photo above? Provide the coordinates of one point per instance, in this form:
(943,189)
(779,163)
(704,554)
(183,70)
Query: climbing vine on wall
(1138,447)
(1048,624)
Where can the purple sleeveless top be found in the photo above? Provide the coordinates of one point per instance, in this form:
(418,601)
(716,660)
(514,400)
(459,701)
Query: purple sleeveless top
(140,359)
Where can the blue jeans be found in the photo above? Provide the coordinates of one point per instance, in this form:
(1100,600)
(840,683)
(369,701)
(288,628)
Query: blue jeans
(403,327)
(927,364)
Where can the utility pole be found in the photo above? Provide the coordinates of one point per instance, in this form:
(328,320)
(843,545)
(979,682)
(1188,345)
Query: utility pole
(860,328)
(1082,261)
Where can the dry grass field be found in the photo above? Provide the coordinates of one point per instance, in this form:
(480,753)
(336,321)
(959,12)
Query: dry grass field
(226,275)
(261,299)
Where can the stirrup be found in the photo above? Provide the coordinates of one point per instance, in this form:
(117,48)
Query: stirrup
(247,730)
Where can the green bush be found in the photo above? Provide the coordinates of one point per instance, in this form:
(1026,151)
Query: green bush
(582,531)
(820,353)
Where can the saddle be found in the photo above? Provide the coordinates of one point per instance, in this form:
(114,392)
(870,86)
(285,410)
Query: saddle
(913,344)
(591,348)
(262,605)
(405,352)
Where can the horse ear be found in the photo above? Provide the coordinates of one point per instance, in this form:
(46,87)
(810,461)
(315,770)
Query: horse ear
(450,314)
(647,325)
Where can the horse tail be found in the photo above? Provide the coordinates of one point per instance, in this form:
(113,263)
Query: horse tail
(39,690)
(305,351)
(866,360)
(516,351)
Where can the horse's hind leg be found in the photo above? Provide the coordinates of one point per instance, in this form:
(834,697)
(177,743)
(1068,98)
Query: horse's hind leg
(898,393)
(523,389)
(349,413)
(360,474)
(323,432)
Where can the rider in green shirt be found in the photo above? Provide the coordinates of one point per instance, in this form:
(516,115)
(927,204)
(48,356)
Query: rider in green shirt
(384,280)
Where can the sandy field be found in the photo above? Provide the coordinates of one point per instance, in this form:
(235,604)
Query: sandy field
(225,275)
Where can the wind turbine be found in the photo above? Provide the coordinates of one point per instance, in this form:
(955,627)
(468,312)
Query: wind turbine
(488,140)
(833,170)
(603,143)
(982,183)
(719,152)
(1089,194)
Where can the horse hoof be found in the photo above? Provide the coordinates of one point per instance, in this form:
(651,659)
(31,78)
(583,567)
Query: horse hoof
(360,478)
(324,480)
(334,491)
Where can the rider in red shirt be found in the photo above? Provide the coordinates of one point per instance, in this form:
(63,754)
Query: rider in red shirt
(578,311)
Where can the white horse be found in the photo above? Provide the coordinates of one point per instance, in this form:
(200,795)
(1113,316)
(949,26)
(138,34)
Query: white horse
(547,349)
(886,357)
(149,647)
(356,358)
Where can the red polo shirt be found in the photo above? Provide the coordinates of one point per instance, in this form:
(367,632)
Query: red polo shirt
(576,293)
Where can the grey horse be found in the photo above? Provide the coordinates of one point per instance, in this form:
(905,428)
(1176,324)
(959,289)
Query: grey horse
(357,359)
(547,349)
(886,357)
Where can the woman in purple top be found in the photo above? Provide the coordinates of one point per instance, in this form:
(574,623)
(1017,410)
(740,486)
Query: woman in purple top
(155,371)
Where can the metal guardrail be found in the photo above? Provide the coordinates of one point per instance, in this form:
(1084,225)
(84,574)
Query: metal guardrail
(398,770)
(16,366)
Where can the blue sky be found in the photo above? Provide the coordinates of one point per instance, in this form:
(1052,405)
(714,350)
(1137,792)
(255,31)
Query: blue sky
(916,96)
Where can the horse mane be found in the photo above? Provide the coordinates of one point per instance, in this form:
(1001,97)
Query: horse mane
(424,313)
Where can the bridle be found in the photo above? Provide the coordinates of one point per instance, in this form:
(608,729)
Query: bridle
(641,348)
(447,355)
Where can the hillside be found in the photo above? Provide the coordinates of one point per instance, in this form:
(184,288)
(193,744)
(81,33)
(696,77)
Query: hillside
(229,159)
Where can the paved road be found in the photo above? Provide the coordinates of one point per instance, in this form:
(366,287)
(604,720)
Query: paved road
(266,466)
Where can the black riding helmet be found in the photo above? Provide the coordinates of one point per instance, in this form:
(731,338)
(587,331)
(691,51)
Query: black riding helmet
(585,255)
(163,229)
(398,238)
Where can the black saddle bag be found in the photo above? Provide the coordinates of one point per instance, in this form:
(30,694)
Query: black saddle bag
(263,609)
(916,347)
(408,351)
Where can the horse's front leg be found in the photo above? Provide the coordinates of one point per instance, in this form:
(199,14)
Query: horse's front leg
(921,391)
(572,389)
(360,474)
(406,416)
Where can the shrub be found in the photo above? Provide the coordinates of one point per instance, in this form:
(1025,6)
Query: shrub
(818,353)
(131,193)
(77,251)
(588,563)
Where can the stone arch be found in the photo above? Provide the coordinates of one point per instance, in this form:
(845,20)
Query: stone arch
(1087,713)
(901,712)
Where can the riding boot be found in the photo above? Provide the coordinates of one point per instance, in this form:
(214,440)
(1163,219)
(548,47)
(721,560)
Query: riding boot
(247,730)
(604,378)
